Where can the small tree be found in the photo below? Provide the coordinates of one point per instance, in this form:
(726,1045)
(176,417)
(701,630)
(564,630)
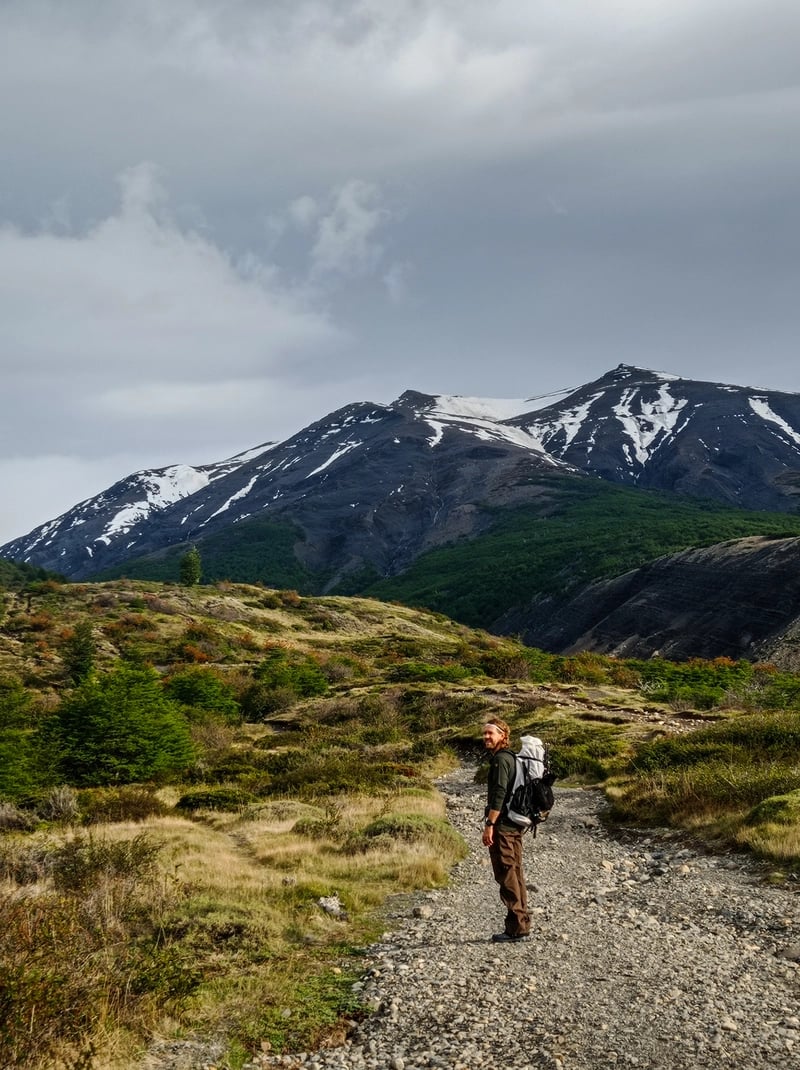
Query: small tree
(18,773)
(191,567)
(78,652)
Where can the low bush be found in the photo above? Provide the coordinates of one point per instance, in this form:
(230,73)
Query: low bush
(778,809)
(414,828)
(127,803)
(727,767)
(12,819)
(231,799)
(83,861)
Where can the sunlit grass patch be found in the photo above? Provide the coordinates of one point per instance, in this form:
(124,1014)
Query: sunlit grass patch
(772,828)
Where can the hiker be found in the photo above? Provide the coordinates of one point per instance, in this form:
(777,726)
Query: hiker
(501,836)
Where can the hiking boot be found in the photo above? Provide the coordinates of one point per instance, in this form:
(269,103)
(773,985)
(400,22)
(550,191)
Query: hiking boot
(504,938)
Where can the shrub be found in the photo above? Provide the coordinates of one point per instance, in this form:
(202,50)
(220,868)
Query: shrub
(82,862)
(203,689)
(120,728)
(414,828)
(260,700)
(216,799)
(12,819)
(778,809)
(294,670)
(127,803)
(78,652)
(60,804)
(424,671)
(22,767)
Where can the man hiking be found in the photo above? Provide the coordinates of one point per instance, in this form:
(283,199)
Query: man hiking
(501,836)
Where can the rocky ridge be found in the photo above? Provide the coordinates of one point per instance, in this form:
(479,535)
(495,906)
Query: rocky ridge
(736,599)
(646,952)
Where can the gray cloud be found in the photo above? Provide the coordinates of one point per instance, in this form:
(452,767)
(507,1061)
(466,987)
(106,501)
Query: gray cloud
(218,222)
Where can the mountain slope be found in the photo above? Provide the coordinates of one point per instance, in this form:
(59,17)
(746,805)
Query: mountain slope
(365,492)
(736,599)
(369,485)
(589,531)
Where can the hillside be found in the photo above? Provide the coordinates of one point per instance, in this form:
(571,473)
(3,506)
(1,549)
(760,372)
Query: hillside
(214,789)
(532,563)
(734,599)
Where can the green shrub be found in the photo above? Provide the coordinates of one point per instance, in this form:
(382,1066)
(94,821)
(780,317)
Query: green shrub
(414,828)
(291,669)
(120,728)
(200,688)
(778,809)
(260,700)
(425,671)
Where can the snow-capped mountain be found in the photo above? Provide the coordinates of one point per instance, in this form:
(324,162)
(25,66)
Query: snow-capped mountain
(369,483)
(736,444)
(376,485)
(108,518)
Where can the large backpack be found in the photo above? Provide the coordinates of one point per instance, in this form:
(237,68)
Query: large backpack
(531,796)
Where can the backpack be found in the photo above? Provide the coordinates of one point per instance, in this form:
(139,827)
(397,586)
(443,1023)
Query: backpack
(531,796)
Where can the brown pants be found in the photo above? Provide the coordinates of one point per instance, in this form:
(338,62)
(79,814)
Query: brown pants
(506,857)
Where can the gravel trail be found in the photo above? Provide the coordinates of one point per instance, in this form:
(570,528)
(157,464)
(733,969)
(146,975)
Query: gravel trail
(645,952)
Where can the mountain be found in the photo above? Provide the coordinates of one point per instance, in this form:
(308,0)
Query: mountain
(106,520)
(733,444)
(368,486)
(472,506)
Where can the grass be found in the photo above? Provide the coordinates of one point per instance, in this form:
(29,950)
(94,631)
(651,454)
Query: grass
(741,775)
(212,922)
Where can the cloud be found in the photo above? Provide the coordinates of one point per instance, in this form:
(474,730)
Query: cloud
(346,242)
(397,281)
(135,294)
(304,212)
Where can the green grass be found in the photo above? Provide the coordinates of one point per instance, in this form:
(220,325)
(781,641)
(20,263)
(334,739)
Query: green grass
(725,770)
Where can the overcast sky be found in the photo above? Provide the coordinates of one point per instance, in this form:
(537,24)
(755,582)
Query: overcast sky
(222,219)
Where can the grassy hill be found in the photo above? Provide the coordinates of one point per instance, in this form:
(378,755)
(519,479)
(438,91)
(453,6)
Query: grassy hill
(187,773)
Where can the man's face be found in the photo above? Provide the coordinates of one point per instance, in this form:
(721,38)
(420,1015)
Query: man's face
(492,737)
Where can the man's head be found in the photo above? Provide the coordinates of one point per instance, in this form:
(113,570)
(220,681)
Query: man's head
(495,734)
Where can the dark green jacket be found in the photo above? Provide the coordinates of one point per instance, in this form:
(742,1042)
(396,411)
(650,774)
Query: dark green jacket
(502,769)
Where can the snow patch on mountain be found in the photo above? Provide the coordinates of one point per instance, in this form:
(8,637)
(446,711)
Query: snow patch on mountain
(652,425)
(453,406)
(484,418)
(568,421)
(334,457)
(161,489)
(234,498)
(761,408)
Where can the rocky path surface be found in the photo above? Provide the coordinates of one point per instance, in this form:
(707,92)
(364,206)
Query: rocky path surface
(646,952)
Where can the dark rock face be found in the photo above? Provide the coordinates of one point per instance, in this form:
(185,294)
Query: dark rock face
(735,599)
